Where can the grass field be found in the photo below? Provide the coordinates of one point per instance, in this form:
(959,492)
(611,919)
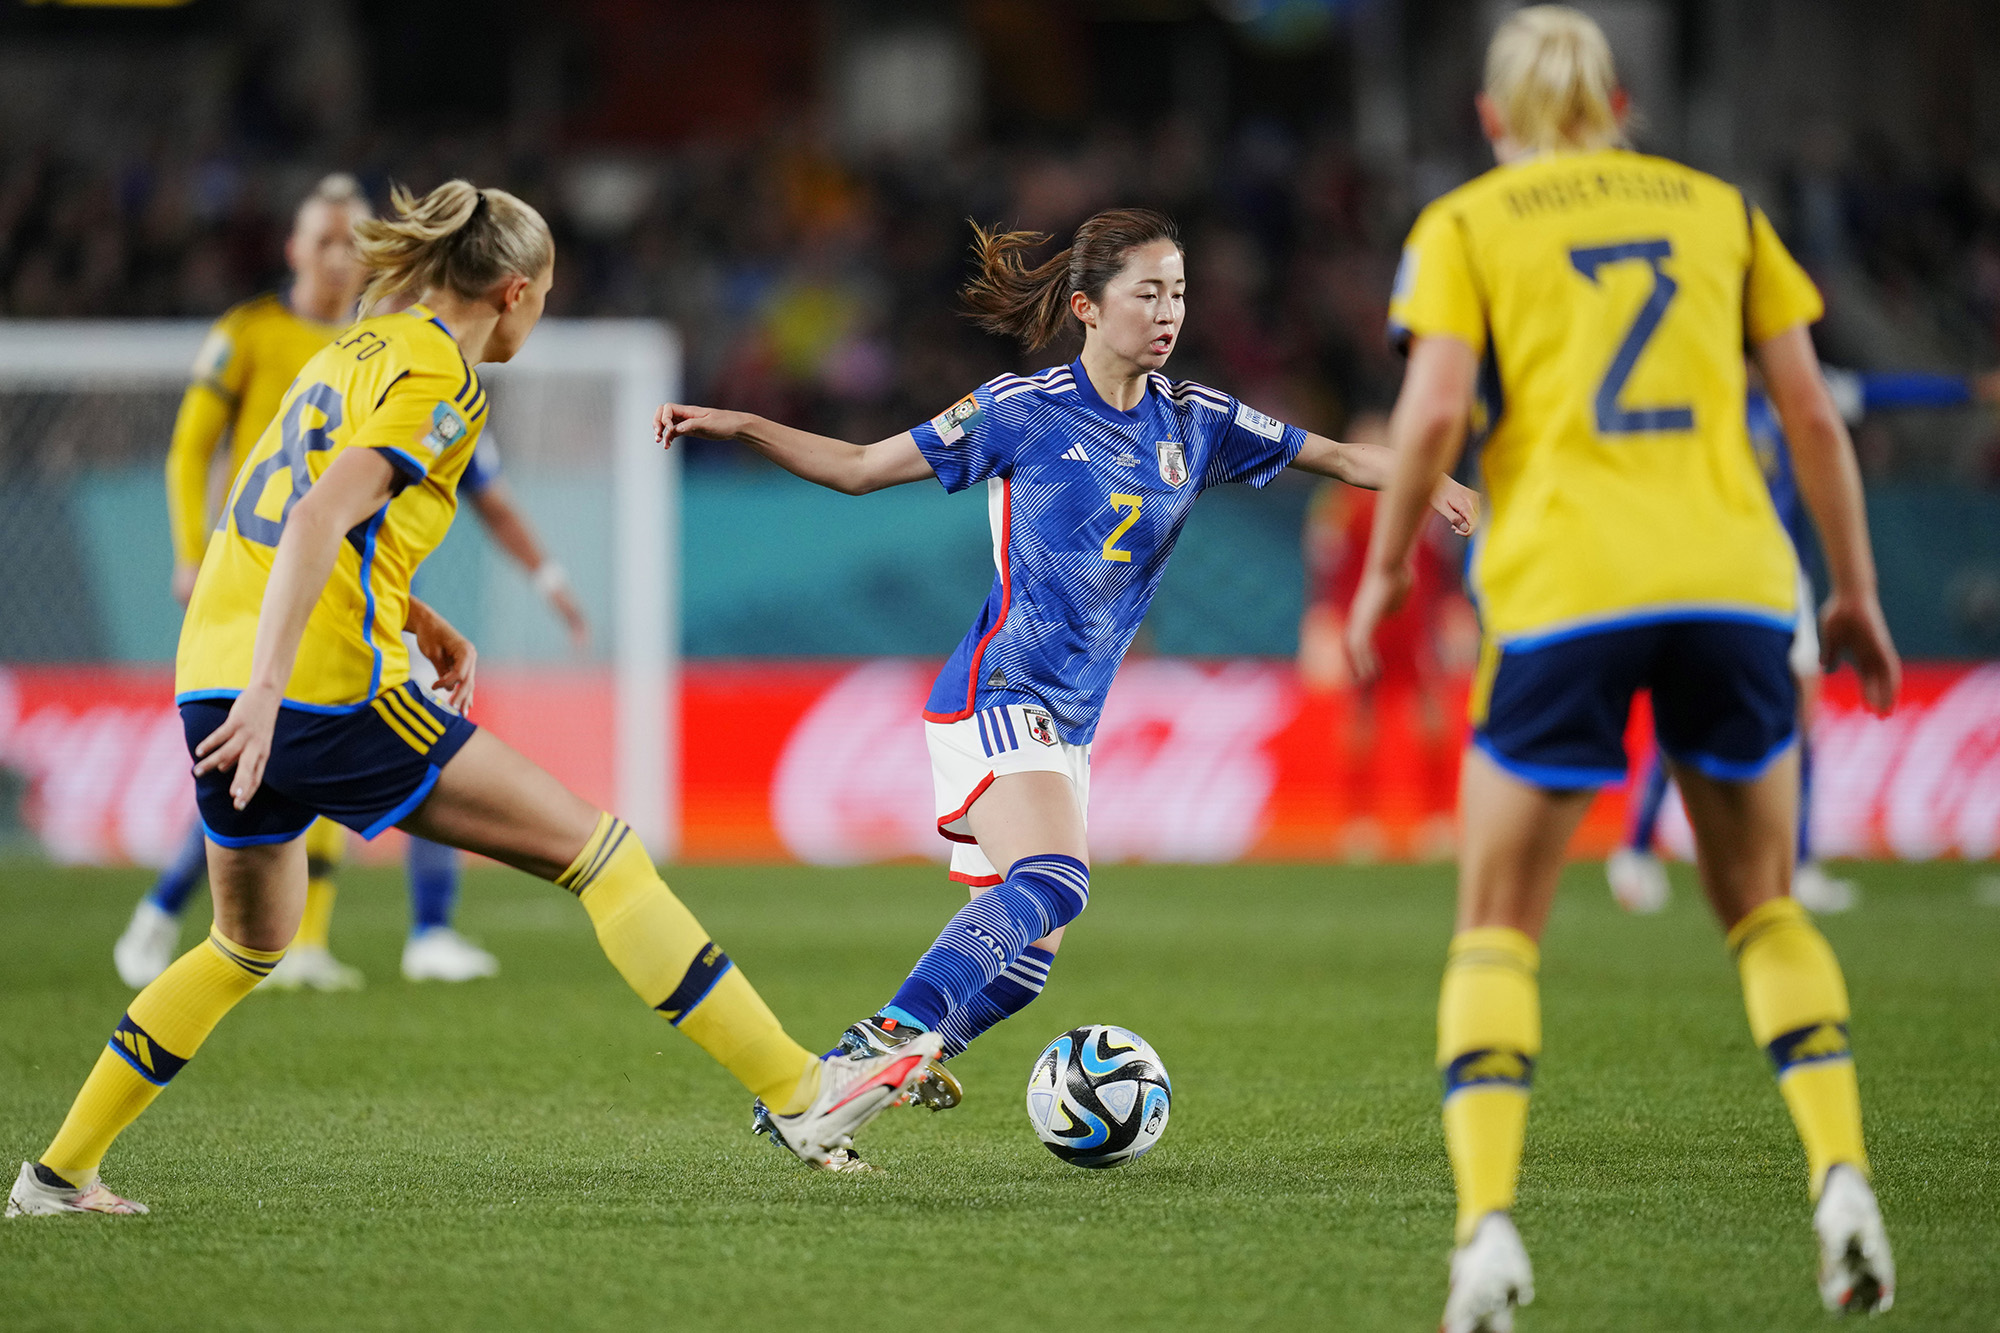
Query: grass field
(540,1152)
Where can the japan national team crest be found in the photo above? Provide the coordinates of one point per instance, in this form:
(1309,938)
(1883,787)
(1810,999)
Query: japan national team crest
(1041,727)
(1173,462)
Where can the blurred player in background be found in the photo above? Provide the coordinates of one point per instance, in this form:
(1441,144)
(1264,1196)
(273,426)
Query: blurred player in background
(247,363)
(1638,879)
(1631,545)
(1430,641)
(294,685)
(1089,469)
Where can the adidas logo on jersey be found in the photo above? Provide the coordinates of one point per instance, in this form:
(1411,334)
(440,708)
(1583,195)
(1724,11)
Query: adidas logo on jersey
(1076,454)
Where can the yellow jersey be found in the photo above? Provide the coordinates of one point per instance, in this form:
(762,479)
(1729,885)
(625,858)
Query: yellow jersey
(398,385)
(246,363)
(1610,295)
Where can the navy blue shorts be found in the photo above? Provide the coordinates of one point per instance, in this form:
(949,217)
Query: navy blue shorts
(1724,700)
(367,768)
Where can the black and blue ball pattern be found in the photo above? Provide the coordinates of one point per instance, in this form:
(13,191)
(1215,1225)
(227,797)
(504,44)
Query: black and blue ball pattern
(1099,1096)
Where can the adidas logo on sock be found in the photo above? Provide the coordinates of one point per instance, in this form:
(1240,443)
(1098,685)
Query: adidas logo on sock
(1075,452)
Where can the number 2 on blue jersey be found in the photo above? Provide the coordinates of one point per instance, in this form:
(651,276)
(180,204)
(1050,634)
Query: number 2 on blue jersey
(297,440)
(1129,506)
(1613,419)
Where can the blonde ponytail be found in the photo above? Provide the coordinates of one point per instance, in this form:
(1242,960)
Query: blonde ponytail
(457,237)
(1549,75)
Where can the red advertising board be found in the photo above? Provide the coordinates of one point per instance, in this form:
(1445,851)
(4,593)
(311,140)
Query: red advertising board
(1195,761)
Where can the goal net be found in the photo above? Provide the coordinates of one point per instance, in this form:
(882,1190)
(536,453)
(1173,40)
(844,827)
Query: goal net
(89,764)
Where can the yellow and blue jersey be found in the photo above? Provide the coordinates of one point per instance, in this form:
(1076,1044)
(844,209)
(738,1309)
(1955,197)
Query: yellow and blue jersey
(245,365)
(397,385)
(1610,295)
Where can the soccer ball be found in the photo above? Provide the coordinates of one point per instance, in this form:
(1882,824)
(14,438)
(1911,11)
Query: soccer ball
(1098,1096)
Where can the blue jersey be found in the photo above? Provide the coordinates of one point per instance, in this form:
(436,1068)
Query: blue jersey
(1774,457)
(482,469)
(1086,503)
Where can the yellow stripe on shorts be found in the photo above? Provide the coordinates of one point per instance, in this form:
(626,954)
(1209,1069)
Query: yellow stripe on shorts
(396,725)
(413,713)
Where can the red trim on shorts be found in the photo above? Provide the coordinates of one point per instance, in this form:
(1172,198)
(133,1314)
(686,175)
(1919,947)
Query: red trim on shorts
(959,813)
(978,881)
(1006,601)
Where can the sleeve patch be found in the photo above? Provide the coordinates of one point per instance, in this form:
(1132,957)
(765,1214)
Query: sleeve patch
(954,422)
(447,428)
(213,356)
(1250,419)
(1406,275)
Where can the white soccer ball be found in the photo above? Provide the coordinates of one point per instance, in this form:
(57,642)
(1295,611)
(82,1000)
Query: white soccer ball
(1099,1096)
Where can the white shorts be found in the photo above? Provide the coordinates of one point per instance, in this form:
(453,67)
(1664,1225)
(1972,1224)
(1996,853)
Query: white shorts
(967,755)
(1805,633)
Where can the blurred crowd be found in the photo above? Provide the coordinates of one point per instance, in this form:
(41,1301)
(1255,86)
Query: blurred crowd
(822,290)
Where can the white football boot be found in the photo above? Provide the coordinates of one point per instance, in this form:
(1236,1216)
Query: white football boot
(1857,1275)
(851,1093)
(1822,894)
(32,1198)
(1638,881)
(442,954)
(148,945)
(312,969)
(1490,1275)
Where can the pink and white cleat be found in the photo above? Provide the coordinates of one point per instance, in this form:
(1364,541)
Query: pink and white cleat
(33,1196)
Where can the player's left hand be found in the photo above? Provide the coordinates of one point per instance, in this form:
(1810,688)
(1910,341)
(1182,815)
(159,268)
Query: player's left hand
(451,653)
(1380,593)
(673,420)
(1459,505)
(1853,627)
(242,743)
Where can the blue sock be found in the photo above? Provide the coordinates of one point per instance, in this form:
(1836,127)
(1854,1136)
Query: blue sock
(433,870)
(1646,814)
(987,934)
(183,874)
(1006,995)
(1805,799)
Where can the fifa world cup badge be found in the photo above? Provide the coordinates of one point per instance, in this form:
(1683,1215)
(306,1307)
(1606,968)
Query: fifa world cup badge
(1041,726)
(1173,462)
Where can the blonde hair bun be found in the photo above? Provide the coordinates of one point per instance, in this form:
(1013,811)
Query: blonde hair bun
(1550,76)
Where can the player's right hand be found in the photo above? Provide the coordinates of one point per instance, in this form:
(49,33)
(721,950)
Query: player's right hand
(1852,626)
(674,420)
(1380,593)
(242,743)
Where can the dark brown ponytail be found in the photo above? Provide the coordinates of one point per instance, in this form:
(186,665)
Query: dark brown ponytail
(1031,304)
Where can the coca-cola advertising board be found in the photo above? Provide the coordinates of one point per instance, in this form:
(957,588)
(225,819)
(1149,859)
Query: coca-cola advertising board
(1195,762)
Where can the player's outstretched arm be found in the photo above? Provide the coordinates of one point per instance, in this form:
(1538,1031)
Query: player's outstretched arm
(852,469)
(354,486)
(512,533)
(1851,623)
(1369,466)
(1426,432)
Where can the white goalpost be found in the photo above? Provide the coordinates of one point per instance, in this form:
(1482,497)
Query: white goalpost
(94,400)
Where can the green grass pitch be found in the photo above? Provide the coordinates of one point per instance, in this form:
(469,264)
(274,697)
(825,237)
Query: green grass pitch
(540,1152)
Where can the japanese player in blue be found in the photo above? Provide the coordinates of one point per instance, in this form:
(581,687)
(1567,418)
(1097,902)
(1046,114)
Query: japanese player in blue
(1089,471)
(1638,879)
(295,689)
(1631,544)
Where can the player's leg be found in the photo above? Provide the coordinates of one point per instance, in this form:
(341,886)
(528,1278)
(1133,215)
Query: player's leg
(153,937)
(309,962)
(490,799)
(434,950)
(259,894)
(1638,879)
(1796,998)
(1728,717)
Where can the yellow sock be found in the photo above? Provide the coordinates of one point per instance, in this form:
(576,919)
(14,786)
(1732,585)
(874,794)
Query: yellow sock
(326,848)
(1797,1003)
(663,953)
(1489,1033)
(165,1026)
